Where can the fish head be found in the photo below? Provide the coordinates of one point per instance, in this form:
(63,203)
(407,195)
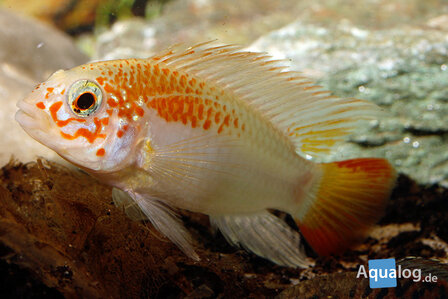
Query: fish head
(70,114)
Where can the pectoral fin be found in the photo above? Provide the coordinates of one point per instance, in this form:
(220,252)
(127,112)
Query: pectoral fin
(123,201)
(164,219)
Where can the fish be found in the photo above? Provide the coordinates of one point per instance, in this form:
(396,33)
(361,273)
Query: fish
(221,131)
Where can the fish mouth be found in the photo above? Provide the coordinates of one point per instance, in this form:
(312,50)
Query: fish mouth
(30,120)
(29,123)
(25,119)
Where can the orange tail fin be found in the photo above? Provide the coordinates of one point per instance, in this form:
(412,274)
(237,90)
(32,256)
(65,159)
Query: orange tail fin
(348,200)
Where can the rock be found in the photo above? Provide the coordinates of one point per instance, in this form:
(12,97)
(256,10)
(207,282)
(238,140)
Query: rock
(29,53)
(193,21)
(402,69)
(74,242)
(242,22)
(349,285)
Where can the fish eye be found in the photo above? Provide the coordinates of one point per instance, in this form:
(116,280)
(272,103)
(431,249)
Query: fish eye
(84,97)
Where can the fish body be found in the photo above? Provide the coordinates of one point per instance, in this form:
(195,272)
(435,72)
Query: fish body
(218,131)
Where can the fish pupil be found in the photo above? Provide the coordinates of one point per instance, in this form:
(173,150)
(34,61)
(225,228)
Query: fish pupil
(85,101)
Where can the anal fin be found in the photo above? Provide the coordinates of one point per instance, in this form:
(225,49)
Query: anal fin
(265,235)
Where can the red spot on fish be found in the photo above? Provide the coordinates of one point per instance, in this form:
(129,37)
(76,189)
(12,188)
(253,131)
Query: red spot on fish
(120,134)
(101,152)
(207,124)
(226,120)
(220,128)
(140,112)
(201,111)
(109,88)
(217,117)
(40,105)
(111,102)
(235,123)
(100,80)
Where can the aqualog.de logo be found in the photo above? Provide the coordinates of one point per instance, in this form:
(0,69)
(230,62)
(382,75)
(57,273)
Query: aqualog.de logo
(383,273)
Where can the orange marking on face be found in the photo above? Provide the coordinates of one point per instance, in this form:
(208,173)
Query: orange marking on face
(50,89)
(101,152)
(120,134)
(40,105)
(109,112)
(83,132)
(105,121)
(54,110)
(62,92)
(63,123)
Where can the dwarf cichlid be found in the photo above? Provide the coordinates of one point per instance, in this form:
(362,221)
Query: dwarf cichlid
(219,131)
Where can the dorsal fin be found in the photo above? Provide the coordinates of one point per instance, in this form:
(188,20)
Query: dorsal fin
(313,119)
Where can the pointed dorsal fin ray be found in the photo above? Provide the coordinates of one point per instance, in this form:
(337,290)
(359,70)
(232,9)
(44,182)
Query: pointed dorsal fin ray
(314,120)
